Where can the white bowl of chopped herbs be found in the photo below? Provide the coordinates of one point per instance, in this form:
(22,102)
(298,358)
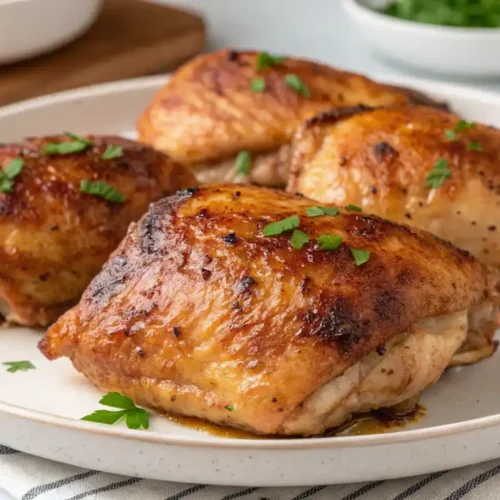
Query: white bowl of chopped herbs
(32,27)
(453,37)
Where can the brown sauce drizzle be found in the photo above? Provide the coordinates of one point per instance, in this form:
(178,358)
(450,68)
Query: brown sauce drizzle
(377,422)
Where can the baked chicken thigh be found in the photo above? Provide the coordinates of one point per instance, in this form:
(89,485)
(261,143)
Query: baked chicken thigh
(62,213)
(219,105)
(207,310)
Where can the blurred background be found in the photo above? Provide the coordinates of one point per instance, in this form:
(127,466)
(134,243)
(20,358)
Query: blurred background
(105,40)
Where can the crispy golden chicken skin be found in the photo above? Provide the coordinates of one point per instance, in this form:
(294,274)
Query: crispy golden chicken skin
(54,238)
(198,313)
(380,159)
(207,113)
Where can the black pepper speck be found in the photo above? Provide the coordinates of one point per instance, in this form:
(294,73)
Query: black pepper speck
(177,332)
(230,238)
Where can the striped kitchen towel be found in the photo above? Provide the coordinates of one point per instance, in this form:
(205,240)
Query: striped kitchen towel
(25,477)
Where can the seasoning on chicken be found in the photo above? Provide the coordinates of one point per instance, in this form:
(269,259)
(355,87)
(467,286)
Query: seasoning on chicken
(65,204)
(228,103)
(258,309)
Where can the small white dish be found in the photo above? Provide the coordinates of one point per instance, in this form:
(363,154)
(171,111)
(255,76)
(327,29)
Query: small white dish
(437,49)
(32,27)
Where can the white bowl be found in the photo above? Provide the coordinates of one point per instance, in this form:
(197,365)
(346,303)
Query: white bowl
(438,49)
(32,27)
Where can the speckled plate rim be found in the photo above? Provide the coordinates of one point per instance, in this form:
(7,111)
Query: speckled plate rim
(154,83)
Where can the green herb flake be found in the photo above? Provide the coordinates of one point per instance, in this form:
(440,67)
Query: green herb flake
(135,417)
(360,256)
(474,146)
(319,211)
(103,190)
(464,125)
(258,84)
(76,145)
(243,163)
(296,83)
(299,239)
(451,134)
(282,226)
(266,60)
(112,152)
(19,366)
(229,407)
(438,175)
(7,176)
(329,242)
(353,208)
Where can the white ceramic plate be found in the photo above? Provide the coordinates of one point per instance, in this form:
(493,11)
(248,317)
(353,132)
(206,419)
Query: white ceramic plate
(40,409)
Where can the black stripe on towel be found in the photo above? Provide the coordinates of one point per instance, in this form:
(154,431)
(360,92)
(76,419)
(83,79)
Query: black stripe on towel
(38,490)
(418,486)
(239,494)
(4,450)
(470,485)
(364,489)
(109,487)
(187,492)
(308,493)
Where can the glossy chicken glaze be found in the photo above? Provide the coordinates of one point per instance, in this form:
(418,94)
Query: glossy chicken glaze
(206,114)
(379,159)
(53,238)
(198,313)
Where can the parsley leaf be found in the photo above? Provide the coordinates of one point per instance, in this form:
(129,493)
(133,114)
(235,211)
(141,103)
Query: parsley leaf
(266,60)
(243,163)
(329,241)
(229,407)
(19,366)
(474,146)
(112,152)
(438,175)
(12,170)
(318,211)
(353,208)
(135,417)
(258,84)
(451,134)
(76,145)
(103,190)
(299,239)
(360,256)
(296,83)
(281,226)
(464,125)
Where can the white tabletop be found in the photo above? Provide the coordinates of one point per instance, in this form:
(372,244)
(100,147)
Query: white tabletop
(316,29)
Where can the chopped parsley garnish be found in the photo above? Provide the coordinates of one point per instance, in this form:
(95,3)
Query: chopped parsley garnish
(19,366)
(329,241)
(353,208)
(282,226)
(76,145)
(451,134)
(474,146)
(438,175)
(7,176)
(258,84)
(296,83)
(299,239)
(229,407)
(360,256)
(266,60)
(243,163)
(135,417)
(103,190)
(464,125)
(112,152)
(319,211)
(462,13)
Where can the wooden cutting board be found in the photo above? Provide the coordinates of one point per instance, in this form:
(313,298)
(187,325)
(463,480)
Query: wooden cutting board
(130,38)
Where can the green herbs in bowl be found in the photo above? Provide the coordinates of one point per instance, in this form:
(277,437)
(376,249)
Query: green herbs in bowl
(461,13)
